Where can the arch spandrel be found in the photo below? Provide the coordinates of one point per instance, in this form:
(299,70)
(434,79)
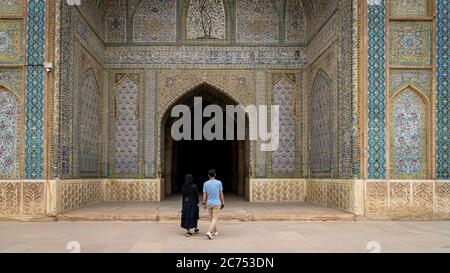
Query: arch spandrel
(238,85)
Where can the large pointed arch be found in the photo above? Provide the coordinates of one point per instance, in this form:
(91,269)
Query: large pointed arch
(169,166)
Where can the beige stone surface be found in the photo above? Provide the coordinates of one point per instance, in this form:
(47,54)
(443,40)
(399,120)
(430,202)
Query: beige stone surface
(234,237)
(236,209)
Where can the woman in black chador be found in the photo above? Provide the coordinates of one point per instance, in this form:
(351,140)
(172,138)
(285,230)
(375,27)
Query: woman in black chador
(190,210)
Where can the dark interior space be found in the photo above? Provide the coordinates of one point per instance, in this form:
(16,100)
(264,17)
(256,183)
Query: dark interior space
(198,156)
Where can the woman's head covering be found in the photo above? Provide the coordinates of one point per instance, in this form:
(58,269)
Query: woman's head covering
(188,182)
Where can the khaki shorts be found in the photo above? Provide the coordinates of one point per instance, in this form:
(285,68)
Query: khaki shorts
(214,212)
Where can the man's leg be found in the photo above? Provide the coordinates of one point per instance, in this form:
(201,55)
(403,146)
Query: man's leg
(213,214)
(210,211)
(216,216)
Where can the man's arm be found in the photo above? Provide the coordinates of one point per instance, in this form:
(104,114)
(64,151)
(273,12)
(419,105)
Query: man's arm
(222,199)
(205,197)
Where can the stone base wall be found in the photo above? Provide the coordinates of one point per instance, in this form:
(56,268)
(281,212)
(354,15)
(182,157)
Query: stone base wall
(339,194)
(73,194)
(277,190)
(25,199)
(377,199)
(132,190)
(403,199)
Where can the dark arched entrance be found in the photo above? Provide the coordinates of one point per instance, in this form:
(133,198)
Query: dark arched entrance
(229,158)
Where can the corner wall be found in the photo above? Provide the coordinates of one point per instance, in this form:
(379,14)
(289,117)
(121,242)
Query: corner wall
(73,194)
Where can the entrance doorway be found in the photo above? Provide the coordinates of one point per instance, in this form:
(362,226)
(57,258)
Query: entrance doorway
(228,158)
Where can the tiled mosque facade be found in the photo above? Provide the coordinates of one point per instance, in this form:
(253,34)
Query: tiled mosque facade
(363,89)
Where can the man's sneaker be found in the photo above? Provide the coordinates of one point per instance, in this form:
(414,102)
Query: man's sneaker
(216,233)
(209,235)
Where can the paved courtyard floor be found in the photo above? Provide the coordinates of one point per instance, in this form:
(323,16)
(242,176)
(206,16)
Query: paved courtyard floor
(343,236)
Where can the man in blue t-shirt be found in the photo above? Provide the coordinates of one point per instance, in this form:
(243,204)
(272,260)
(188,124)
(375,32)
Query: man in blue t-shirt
(213,199)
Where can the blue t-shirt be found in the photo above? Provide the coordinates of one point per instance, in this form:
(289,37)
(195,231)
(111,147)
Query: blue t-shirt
(213,188)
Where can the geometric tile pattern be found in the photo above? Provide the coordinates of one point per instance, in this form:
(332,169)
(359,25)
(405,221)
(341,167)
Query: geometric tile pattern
(409,7)
(346,145)
(443,91)
(400,78)
(89,123)
(283,159)
(321,126)
(256,21)
(11,32)
(260,156)
(355,83)
(295,22)
(150,127)
(410,43)
(34,118)
(127,128)
(66,98)
(11,7)
(11,78)
(116,21)
(155,21)
(376,89)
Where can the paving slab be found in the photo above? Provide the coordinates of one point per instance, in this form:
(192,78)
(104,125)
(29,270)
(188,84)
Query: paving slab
(235,237)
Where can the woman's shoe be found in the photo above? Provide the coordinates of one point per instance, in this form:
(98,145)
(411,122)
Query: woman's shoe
(189,234)
(196,231)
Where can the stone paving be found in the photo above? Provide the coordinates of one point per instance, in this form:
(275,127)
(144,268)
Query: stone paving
(236,209)
(308,236)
